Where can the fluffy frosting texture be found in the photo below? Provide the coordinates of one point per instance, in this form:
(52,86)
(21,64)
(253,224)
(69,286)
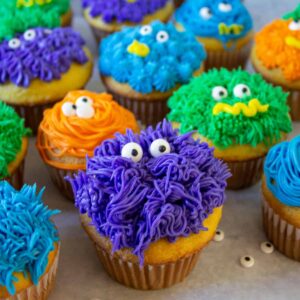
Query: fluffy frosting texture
(27,234)
(135,203)
(78,132)
(278,45)
(123,10)
(204,18)
(231,107)
(282,171)
(12,131)
(15,17)
(40,54)
(151,58)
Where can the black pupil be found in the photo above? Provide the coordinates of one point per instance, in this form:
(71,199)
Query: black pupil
(268,245)
(162,149)
(74,106)
(84,100)
(218,232)
(244,90)
(134,152)
(222,93)
(247,258)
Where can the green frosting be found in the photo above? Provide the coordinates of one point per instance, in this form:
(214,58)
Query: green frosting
(192,106)
(12,131)
(294,15)
(17,20)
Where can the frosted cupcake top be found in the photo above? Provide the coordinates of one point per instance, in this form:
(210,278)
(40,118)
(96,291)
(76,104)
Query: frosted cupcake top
(141,188)
(40,53)
(282,171)
(151,58)
(27,235)
(231,107)
(123,10)
(224,20)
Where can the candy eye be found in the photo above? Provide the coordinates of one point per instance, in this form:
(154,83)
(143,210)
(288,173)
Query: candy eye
(29,35)
(84,100)
(219,236)
(247,261)
(241,91)
(205,13)
(85,111)
(69,109)
(225,7)
(14,43)
(162,37)
(294,25)
(159,147)
(145,30)
(219,93)
(267,247)
(132,151)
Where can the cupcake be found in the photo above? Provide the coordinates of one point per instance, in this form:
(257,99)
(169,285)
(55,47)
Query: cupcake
(13,146)
(144,65)
(29,244)
(106,17)
(239,114)
(281,197)
(276,56)
(223,27)
(150,203)
(40,67)
(73,128)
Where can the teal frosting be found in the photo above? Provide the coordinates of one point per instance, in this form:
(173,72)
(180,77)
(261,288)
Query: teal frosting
(282,171)
(27,235)
(169,62)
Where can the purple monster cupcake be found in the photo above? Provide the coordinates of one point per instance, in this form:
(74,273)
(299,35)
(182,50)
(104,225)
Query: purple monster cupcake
(39,67)
(106,17)
(150,203)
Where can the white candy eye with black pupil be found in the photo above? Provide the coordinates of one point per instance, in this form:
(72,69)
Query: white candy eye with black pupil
(205,13)
(69,109)
(162,36)
(132,151)
(145,30)
(159,147)
(241,91)
(294,25)
(225,7)
(219,93)
(14,43)
(84,100)
(85,109)
(29,35)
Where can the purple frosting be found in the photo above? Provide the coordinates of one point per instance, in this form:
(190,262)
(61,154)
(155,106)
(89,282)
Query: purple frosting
(123,10)
(40,54)
(137,203)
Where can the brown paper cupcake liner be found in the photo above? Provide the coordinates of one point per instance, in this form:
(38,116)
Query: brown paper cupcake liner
(100,34)
(16,179)
(294,104)
(178,2)
(44,287)
(284,236)
(245,173)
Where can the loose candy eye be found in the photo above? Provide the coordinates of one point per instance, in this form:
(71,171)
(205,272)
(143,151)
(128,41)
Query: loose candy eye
(247,261)
(132,151)
(219,236)
(162,37)
(294,25)
(29,35)
(159,147)
(84,100)
(219,93)
(14,43)
(267,247)
(145,30)
(205,13)
(225,7)
(241,90)
(69,109)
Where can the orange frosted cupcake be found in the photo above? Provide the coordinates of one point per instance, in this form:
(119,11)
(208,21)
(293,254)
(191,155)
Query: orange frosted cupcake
(72,129)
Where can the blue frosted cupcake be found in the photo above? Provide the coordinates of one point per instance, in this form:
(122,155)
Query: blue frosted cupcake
(143,66)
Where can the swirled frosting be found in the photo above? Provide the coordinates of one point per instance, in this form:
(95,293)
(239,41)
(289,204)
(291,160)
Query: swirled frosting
(123,10)
(16,16)
(77,131)
(27,234)
(277,45)
(231,107)
(282,172)
(12,131)
(40,54)
(151,58)
(225,20)
(161,195)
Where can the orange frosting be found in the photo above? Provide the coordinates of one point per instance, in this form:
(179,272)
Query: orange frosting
(274,50)
(60,135)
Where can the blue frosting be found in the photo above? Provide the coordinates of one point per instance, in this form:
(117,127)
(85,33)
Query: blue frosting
(169,62)
(190,17)
(282,171)
(27,234)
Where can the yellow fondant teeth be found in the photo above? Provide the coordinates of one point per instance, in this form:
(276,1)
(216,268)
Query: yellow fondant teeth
(250,110)
(293,42)
(138,49)
(231,29)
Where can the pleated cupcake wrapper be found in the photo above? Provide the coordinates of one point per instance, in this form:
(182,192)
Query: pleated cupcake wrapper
(16,179)
(58,178)
(42,290)
(294,104)
(230,59)
(178,2)
(245,173)
(100,34)
(284,236)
